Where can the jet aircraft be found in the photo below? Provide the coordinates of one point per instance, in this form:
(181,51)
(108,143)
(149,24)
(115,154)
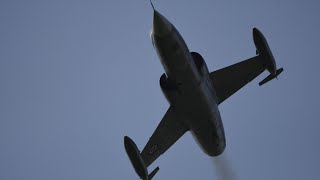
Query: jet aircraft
(194,94)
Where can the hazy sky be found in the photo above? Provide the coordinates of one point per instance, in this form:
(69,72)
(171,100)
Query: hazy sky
(76,76)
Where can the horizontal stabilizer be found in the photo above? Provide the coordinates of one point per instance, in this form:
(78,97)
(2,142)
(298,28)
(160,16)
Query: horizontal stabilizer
(270,77)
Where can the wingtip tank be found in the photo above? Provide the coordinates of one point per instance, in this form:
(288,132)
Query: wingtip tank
(137,160)
(263,50)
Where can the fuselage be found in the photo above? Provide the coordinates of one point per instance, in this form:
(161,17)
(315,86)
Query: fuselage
(195,99)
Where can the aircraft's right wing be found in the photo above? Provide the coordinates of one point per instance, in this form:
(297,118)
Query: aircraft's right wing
(167,133)
(229,80)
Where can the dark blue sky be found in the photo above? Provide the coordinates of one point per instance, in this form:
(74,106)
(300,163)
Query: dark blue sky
(76,76)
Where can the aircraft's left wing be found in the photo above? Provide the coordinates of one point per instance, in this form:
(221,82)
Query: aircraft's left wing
(229,80)
(167,133)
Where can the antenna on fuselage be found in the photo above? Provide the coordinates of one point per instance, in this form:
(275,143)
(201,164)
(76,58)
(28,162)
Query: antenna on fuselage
(152,5)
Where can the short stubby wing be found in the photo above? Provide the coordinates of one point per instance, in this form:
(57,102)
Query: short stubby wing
(170,129)
(228,80)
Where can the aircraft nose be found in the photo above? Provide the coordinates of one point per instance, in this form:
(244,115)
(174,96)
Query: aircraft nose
(161,26)
(256,33)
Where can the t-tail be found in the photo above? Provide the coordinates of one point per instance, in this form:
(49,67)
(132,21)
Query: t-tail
(265,53)
(137,160)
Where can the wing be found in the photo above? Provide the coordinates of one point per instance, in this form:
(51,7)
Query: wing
(167,133)
(229,80)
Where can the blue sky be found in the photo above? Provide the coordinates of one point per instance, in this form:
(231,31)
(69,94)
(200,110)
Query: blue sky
(76,76)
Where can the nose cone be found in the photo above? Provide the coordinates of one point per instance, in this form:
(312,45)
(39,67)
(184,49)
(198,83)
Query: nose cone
(161,26)
(256,33)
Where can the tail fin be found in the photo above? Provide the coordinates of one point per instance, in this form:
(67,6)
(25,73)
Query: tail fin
(270,77)
(137,160)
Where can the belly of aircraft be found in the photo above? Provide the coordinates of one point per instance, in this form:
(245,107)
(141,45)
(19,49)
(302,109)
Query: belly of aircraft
(196,99)
(203,118)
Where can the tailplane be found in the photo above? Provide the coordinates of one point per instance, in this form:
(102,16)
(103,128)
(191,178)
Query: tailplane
(137,160)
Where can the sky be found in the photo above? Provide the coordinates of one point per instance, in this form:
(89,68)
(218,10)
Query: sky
(77,76)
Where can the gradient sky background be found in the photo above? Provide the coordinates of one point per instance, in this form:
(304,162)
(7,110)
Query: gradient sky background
(76,76)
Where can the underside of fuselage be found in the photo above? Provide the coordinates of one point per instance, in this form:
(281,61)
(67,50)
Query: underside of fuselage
(194,98)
